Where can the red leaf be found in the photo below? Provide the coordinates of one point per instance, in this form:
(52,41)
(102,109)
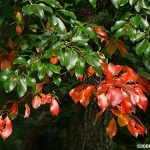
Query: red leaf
(131,128)
(13,111)
(46,98)
(140,129)
(102,101)
(86,96)
(36,102)
(54,107)
(115,96)
(91,71)
(108,74)
(111,128)
(27,111)
(5,128)
(102,33)
(143,100)
(126,103)
(132,75)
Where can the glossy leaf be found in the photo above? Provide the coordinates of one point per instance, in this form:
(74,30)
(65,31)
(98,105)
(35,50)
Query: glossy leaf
(80,66)
(10,84)
(115,96)
(57,80)
(116,3)
(102,101)
(142,46)
(22,86)
(54,107)
(117,25)
(111,129)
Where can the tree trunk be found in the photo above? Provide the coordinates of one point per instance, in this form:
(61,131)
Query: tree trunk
(87,135)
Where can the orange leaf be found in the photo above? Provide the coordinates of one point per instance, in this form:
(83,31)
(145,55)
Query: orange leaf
(36,102)
(39,87)
(122,48)
(123,120)
(48,25)
(5,127)
(10,44)
(91,71)
(54,107)
(54,59)
(27,111)
(18,30)
(111,46)
(5,64)
(111,129)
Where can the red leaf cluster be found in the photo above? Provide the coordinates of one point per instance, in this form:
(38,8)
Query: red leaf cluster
(41,99)
(122,90)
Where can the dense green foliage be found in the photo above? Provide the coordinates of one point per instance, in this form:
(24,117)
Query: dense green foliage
(48,46)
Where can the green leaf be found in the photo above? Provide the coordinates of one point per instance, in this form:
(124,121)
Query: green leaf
(57,80)
(132,2)
(147,52)
(135,21)
(22,86)
(49,71)
(48,53)
(144,23)
(145,4)
(20,60)
(57,45)
(34,65)
(80,66)
(54,68)
(41,71)
(116,3)
(77,1)
(142,46)
(52,3)
(70,59)
(93,2)
(138,7)
(126,16)
(68,13)
(131,31)
(89,32)
(117,25)
(10,84)
(119,33)
(61,57)
(97,67)
(61,25)
(4,75)
(30,81)
(140,35)
(123,2)
(80,38)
